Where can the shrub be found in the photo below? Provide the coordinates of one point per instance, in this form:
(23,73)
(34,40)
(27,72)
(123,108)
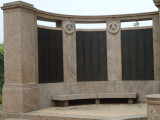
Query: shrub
(1,67)
(136,24)
(0,99)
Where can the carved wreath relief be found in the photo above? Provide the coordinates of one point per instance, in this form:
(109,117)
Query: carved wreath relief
(113,28)
(69,28)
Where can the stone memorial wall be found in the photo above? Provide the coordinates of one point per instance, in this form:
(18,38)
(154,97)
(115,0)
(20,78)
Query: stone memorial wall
(64,60)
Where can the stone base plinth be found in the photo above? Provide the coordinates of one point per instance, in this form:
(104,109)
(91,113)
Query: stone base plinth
(153,106)
(20,98)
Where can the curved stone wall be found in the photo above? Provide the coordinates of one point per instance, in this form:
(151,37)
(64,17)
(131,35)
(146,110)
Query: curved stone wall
(22,91)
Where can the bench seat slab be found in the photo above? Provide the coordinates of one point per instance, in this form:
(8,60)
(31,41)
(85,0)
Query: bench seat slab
(93,96)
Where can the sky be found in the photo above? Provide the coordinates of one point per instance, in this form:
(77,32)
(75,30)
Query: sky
(88,7)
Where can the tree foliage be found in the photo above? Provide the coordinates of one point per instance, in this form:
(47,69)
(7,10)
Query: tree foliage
(1,67)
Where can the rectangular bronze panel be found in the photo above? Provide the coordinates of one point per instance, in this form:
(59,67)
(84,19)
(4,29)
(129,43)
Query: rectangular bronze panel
(50,56)
(137,54)
(91,56)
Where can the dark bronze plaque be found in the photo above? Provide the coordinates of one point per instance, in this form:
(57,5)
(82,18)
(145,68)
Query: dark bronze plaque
(50,56)
(137,55)
(91,56)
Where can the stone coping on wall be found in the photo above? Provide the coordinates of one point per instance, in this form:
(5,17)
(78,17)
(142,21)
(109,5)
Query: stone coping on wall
(153,96)
(47,16)
(128,28)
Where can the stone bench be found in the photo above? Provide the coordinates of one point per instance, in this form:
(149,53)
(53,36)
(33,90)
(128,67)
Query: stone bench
(64,99)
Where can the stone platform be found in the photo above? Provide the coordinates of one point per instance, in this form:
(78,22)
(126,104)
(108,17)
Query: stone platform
(91,112)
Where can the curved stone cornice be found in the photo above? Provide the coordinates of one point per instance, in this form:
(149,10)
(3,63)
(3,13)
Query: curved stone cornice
(42,15)
(48,16)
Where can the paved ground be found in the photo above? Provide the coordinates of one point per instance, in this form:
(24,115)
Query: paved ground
(107,110)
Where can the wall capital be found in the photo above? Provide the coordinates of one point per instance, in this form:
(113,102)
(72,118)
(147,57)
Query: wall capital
(17,4)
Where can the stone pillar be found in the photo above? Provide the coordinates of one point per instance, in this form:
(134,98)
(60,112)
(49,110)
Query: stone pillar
(114,61)
(156,42)
(153,107)
(156,48)
(153,101)
(20,93)
(157,3)
(69,51)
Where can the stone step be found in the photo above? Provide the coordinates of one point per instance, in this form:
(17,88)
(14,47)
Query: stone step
(16,119)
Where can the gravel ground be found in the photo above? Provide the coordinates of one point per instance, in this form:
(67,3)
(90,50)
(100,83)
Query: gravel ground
(107,110)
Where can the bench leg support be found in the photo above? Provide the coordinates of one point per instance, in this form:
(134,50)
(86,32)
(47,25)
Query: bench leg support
(130,101)
(63,103)
(97,101)
(54,103)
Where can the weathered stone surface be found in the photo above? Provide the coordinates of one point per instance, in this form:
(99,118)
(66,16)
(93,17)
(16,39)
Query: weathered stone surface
(74,96)
(16,3)
(47,90)
(114,62)
(69,51)
(117,95)
(93,96)
(20,98)
(153,106)
(140,87)
(20,92)
(156,48)
(93,87)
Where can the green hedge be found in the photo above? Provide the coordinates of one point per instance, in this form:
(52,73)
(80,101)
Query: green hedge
(0,100)
(1,67)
